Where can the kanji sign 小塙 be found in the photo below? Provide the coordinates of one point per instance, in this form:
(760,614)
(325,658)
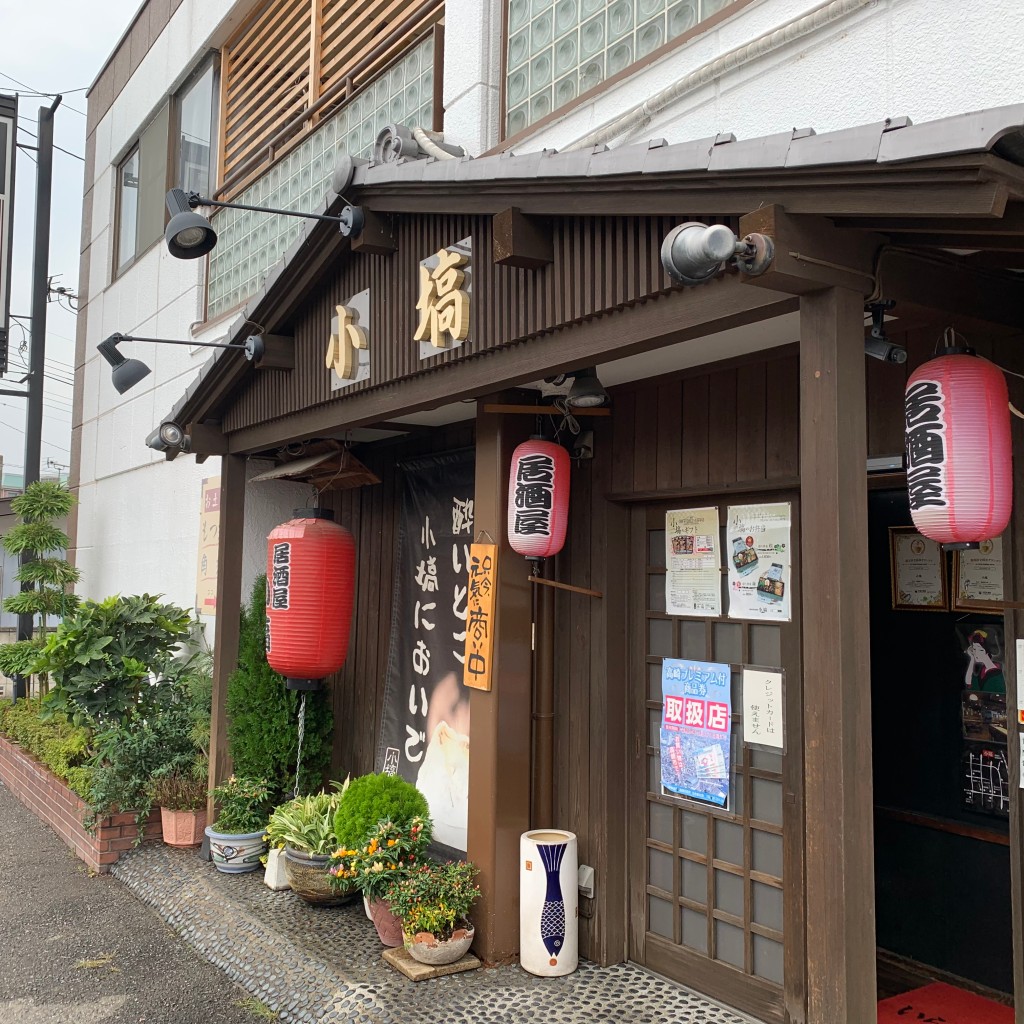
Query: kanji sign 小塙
(443,302)
(483,579)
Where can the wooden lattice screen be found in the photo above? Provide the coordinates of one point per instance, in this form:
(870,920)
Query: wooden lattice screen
(291,53)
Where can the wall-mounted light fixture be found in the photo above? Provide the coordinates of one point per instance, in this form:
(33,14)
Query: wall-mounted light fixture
(693,253)
(877,343)
(126,373)
(587,392)
(190,235)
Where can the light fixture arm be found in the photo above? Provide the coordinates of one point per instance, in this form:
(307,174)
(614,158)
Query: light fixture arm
(194,200)
(117,338)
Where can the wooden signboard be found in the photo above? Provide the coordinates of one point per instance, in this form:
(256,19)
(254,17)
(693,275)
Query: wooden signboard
(483,585)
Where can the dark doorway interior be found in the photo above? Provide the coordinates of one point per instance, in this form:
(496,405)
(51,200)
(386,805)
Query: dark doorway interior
(942,869)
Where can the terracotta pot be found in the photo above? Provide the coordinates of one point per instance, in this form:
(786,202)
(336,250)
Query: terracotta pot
(310,880)
(236,854)
(389,927)
(428,949)
(182,828)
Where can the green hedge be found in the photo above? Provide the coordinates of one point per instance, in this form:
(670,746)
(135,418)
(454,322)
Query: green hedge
(61,746)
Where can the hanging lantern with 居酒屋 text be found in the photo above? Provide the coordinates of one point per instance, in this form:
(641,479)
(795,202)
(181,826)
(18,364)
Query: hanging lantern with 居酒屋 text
(311,564)
(538,498)
(959,473)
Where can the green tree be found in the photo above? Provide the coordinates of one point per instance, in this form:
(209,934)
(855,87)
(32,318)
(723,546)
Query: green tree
(263,732)
(45,573)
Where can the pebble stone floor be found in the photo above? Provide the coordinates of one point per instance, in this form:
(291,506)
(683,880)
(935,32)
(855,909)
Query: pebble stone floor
(311,964)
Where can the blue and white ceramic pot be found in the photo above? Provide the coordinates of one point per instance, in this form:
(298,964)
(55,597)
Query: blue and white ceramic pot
(548,902)
(235,854)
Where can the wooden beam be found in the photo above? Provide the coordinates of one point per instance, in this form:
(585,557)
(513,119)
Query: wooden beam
(811,253)
(1004,243)
(1010,223)
(839,869)
(206,439)
(278,353)
(521,241)
(377,237)
(499,784)
(662,320)
(544,410)
(229,605)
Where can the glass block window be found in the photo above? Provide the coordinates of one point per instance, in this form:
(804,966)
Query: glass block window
(249,244)
(558,49)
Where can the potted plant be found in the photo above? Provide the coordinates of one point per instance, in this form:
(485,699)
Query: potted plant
(387,853)
(433,902)
(304,829)
(237,836)
(181,797)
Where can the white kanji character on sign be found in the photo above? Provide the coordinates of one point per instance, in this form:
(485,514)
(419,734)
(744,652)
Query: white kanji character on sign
(426,575)
(718,716)
(694,714)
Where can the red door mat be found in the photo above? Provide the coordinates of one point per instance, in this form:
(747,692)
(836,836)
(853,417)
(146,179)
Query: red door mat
(942,1004)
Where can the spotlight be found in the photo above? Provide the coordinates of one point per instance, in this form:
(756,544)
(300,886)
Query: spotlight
(189,235)
(586,391)
(125,373)
(171,434)
(693,253)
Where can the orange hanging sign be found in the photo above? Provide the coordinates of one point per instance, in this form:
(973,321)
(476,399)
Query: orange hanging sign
(483,588)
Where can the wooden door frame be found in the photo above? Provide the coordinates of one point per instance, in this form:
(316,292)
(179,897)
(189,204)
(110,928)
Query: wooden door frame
(792,1009)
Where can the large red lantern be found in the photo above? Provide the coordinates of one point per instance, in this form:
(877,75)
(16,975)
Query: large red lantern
(538,498)
(311,564)
(958,449)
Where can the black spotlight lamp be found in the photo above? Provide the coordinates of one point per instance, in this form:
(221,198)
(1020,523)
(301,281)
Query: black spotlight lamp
(190,235)
(126,373)
(587,391)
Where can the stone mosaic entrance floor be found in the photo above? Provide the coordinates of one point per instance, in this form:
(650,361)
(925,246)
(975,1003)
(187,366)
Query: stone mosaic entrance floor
(312,964)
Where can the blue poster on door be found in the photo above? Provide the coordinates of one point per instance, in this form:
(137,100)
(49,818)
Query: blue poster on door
(695,730)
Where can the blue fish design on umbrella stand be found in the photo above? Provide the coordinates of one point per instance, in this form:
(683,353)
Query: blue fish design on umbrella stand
(552,918)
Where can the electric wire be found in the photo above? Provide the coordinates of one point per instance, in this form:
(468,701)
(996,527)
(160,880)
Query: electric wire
(55,146)
(36,92)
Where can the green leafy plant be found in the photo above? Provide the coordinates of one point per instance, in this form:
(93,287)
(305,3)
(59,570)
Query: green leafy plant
(263,735)
(434,898)
(180,791)
(103,659)
(45,574)
(244,804)
(307,822)
(63,747)
(373,798)
(387,853)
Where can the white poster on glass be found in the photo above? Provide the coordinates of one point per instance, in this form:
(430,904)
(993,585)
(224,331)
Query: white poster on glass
(758,556)
(693,562)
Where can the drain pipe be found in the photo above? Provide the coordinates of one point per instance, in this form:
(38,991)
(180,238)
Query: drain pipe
(640,116)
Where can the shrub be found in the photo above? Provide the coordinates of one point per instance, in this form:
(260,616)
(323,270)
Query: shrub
(56,742)
(244,806)
(374,798)
(263,735)
(387,854)
(103,657)
(434,898)
(180,791)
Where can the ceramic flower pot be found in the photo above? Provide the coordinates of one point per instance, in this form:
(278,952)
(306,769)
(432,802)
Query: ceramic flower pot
(428,949)
(389,927)
(310,880)
(182,828)
(236,854)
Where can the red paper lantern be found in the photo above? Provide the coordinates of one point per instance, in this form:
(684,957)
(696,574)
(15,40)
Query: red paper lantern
(538,498)
(311,567)
(958,449)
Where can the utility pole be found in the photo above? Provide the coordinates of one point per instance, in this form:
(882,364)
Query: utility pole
(37,358)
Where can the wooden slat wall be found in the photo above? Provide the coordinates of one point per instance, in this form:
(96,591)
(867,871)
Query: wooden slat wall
(507,304)
(291,52)
(371,513)
(266,74)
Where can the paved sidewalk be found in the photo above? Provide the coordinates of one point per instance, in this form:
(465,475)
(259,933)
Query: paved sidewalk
(316,964)
(82,950)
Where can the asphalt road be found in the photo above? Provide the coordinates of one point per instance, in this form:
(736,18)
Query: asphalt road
(81,950)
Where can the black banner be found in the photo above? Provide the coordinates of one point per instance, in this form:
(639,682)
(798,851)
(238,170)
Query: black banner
(425,730)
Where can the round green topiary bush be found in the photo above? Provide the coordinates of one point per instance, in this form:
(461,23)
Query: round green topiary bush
(372,798)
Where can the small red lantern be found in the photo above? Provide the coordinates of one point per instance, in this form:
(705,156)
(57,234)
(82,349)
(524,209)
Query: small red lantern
(538,498)
(959,462)
(311,568)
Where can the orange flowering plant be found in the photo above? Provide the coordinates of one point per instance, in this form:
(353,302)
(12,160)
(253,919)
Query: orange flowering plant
(389,850)
(434,898)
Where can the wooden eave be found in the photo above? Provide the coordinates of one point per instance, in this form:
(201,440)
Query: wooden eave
(977,191)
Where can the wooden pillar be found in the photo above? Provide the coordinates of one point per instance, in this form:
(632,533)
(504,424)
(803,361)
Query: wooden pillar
(229,598)
(839,857)
(499,762)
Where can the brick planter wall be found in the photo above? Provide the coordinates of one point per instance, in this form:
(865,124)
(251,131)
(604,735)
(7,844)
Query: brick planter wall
(52,802)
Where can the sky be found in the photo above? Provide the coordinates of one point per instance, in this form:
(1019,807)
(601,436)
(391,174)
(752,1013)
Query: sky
(59,48)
